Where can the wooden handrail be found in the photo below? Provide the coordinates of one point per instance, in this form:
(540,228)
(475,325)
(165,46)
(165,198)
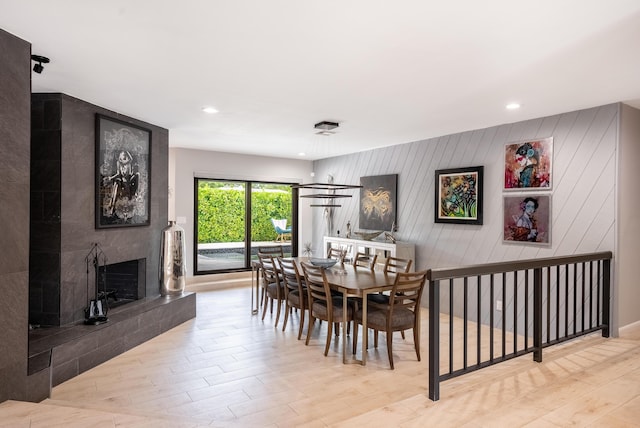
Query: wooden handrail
(511,266)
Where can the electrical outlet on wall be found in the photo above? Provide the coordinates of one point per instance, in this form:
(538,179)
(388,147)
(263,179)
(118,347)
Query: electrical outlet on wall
(498,305)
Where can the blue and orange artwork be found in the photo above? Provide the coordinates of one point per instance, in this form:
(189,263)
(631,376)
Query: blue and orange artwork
(527,164)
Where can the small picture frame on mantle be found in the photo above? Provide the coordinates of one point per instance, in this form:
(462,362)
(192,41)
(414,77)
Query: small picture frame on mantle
(458,195)
(123,173)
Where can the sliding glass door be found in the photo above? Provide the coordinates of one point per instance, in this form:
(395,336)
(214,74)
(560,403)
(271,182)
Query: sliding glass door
(235,218)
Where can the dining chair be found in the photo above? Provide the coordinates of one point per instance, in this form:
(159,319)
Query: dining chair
(295,291)
(401,312)
(391,265)
(323,305)
(337,254)
(273,286)
(275,251)
(365,260)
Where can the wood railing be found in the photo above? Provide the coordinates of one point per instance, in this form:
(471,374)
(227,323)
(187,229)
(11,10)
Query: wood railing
(500,311)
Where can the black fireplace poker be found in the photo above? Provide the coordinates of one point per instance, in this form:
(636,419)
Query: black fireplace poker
(96,311)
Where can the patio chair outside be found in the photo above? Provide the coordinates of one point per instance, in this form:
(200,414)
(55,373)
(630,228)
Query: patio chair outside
(284,232)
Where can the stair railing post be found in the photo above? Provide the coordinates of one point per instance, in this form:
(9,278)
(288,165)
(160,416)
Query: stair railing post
(537,315)
(434,339)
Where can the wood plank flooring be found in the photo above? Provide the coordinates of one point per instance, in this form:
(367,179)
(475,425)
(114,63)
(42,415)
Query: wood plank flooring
(227,368)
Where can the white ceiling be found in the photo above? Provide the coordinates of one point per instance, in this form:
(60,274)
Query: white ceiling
(388,72)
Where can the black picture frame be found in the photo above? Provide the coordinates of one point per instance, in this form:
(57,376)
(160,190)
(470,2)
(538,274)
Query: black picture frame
(458,195)
(123,173)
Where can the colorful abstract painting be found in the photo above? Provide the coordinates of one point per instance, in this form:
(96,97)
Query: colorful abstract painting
(459,195)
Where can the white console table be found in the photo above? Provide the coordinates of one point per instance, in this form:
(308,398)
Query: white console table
(384,249)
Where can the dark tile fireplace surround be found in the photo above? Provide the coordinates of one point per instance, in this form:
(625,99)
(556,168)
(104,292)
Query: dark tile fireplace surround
(62,231)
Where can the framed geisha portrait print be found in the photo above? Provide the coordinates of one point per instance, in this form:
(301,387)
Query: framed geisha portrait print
(527,219)
(527,165)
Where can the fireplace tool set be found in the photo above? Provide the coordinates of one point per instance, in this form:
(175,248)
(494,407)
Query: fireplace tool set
(97,308)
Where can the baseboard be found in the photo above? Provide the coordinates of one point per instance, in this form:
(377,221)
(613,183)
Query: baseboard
(218,281)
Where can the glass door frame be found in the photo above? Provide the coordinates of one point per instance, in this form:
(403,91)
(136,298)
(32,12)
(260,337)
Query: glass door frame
(247,222)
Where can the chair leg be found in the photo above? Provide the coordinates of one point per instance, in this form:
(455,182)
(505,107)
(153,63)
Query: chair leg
(337,329)
(389,347)
(402,334)
(375,338)
(312,321)
(301,323)
(416,341)
(264,307)
(355,337)
(279,304)
(326,346)
(287,309)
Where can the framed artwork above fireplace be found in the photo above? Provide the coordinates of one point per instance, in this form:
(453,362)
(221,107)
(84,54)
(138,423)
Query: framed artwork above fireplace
(123,173)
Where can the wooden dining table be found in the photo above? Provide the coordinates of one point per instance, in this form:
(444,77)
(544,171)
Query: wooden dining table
(359,282)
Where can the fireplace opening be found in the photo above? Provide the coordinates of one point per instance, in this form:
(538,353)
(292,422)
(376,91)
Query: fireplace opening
(124,282)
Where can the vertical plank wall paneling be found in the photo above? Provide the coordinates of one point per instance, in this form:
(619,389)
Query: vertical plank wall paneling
(583,192)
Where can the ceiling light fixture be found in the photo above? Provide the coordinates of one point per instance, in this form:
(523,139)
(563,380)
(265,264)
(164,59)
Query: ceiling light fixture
(40,60)
(330,195)
(210,110)
(512,106)
(326,126)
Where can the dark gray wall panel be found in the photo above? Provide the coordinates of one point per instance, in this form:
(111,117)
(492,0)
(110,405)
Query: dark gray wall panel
(15,87)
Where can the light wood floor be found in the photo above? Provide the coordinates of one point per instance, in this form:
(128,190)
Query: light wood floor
(228,368)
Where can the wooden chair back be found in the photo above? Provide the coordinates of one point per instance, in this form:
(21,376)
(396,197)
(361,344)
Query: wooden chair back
(397,265)
(407,291)
(337,254)
(291,277)
(317,286)
(273,250)
(269,269)
(365,260)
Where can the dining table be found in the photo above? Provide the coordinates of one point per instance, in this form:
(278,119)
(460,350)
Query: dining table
(357,282)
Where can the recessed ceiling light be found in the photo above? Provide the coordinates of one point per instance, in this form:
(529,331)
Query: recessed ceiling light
(209,109)
(512,106)
(302,154)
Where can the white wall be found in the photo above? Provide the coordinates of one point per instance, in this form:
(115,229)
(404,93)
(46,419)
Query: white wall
(628,291)
(186,164)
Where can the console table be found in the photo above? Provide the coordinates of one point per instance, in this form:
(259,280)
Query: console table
(384,249)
